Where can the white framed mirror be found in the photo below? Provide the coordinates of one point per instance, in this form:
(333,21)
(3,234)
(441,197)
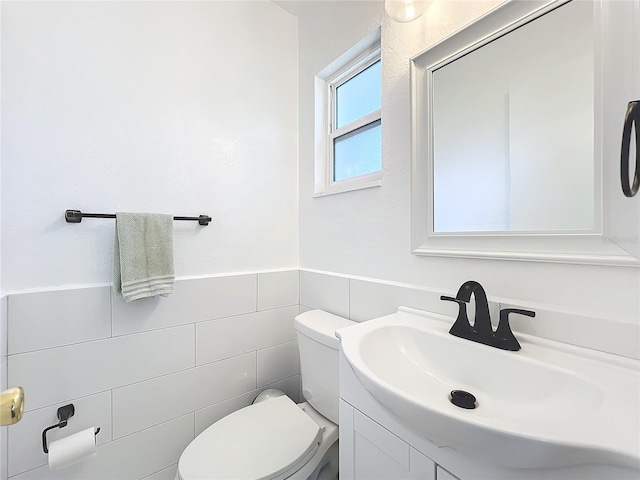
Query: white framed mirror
(509,143)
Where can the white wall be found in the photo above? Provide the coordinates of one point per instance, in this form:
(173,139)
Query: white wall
(179,107)
(367,233)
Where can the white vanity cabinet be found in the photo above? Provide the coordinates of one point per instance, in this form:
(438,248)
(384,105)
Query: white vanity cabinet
(371,452)
(442,474)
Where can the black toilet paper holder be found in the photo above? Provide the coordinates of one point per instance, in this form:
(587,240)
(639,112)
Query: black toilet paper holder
(64,414)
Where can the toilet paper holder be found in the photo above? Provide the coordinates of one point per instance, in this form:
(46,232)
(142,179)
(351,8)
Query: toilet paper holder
(64,414)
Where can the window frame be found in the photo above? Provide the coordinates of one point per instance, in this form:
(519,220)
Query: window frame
(362,56)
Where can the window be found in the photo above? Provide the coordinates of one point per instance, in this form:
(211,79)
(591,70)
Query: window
(348,120)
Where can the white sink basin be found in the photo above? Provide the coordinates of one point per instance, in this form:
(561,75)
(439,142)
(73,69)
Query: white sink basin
(547,405)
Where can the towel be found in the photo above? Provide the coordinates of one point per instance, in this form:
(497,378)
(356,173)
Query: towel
(143,260)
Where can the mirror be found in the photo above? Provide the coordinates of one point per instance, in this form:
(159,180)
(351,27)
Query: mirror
(524,105)
(508,117)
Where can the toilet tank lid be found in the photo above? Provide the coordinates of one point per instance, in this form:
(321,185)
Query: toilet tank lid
(321,326)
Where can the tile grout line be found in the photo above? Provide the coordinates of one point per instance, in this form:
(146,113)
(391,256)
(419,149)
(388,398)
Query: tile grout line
(112,414)
(349,300)
(111,295)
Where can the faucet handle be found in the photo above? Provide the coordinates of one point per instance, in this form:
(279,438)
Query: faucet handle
(461,327)
(505,313)
(451,299)
(504,337)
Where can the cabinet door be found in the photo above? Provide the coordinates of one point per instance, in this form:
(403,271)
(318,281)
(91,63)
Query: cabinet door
(378,453)
(421,466)
(620,60)
(346,442)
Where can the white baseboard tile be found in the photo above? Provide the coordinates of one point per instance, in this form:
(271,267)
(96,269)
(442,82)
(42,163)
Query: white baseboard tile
(193,300)
(129,458)
(57,374)
(25,436)
(151,402)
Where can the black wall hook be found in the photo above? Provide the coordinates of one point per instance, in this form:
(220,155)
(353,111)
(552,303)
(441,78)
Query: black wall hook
(64,414)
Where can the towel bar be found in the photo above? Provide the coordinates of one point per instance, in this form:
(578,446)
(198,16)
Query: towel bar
(76,216)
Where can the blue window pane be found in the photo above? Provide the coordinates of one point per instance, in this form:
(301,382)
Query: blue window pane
(358,153)
(358,96)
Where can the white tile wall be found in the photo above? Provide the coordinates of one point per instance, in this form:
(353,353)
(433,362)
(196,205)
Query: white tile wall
(278,289)
(595,333)
(148,403)
(3,329)
(168,473)
(201,353)
(50,319)
(3,386)
(218,339)
(273,362)
(58,374)
(4,463)
(209,415)
(193,300)
(128,458)
(137,378)
(325,292)
(4,471)
(371,300)
(26,448)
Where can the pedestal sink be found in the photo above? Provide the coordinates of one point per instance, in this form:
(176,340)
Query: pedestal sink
(547,405)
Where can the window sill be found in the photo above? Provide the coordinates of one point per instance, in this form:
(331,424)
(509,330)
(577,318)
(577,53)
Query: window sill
(350,186)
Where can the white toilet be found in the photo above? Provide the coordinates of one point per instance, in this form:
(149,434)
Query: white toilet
(276,438)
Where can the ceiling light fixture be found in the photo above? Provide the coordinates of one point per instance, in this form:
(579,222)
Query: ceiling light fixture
(405,10)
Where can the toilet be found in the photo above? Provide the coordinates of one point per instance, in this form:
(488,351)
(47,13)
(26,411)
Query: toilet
(275,438)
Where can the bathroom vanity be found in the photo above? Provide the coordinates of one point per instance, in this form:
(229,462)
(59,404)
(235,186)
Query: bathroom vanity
(549,411)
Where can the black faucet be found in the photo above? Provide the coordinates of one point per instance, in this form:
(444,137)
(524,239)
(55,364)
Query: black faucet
(481,331)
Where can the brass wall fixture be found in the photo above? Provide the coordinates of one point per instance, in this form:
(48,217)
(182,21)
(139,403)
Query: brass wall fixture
(11,406)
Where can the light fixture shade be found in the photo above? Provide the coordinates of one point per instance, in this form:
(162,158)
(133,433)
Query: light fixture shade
(405,10)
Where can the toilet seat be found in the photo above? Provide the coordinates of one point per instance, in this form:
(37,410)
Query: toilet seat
(267,440)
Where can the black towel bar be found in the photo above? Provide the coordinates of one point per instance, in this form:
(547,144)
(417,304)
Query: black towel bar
(76,216)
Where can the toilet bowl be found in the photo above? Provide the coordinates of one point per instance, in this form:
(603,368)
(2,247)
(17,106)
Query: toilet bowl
(276,438)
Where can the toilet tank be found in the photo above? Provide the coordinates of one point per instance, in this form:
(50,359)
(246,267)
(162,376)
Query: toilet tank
(319,359)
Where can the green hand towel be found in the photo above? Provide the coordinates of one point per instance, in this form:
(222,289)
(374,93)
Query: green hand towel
(143,260)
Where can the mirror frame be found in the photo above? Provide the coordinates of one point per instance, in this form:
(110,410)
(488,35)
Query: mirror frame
(557,247)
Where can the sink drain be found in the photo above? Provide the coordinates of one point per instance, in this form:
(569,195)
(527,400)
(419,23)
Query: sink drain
(463,399)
